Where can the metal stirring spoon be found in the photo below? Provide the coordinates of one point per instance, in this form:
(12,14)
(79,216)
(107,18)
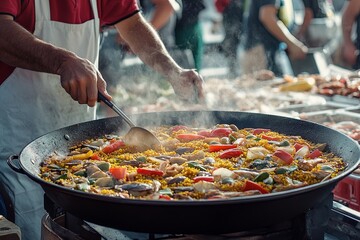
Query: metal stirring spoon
(137,137)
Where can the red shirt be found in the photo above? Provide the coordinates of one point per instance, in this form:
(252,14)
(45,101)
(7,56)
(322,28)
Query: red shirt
(67,11)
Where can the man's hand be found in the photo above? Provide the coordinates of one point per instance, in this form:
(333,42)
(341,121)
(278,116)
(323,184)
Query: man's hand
(188,85)
(80,78)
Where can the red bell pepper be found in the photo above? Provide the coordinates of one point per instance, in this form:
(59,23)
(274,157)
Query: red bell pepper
(314,154)
(230,153)
(118,172)
(116,145)
(284,156)
(95,156)
(178,128)
(149,171)
(221,132)
(205,133)
(219,147)
(165,197)
(269,138)
(187,137)
(297,146)
(260,130)
(250,185)
(203,178)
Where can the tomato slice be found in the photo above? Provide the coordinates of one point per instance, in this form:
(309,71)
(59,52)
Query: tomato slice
(260,130)
(219,147)
(203,178)
(116,145)
(149,171)
(250,185)
(230,153)
(118,172)
(284,156)
(269,138)
(314,154)
(221,132)
(187,137)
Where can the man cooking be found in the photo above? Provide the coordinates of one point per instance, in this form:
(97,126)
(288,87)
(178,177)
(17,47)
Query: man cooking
(49,79)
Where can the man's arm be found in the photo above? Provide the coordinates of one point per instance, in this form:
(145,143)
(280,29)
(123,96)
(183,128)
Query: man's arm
(269,19)
(350,11)
(19,48)
(146,44)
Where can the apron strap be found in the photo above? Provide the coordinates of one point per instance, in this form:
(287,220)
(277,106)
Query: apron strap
(96,21)
(42,10)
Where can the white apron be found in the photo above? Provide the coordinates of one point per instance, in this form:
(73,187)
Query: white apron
(33,104)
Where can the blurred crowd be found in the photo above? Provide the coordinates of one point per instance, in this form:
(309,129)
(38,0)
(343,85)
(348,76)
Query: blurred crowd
(265,30)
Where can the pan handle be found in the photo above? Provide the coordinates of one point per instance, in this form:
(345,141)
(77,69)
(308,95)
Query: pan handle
(13,166)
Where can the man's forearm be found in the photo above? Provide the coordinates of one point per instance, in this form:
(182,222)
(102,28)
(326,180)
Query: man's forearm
(20,48)
(146,44)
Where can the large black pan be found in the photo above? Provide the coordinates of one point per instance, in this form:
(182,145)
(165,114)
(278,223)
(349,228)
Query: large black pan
(215,216)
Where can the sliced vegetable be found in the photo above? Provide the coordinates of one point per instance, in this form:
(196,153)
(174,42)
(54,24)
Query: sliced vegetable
(118,172)
(81,156)
(260,130)
(203,178)
(261,177)
(116,145)
(270,138)
(219,147)
(197,166)
(149,171)
(178,128)
(302,152)
(223,173)
(314,154)
(205,133)
(187,137)
(166,191)
(284,156)
(283,170)
(221,132)
(165,197)
(284,143)
(95,156)
(256,152)
(250,185)
(297,146)
(230,153)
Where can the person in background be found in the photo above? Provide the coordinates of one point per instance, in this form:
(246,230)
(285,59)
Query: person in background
(316,9)
(232,12)
(49,78)
(350,45)
(188,30)
(264,34)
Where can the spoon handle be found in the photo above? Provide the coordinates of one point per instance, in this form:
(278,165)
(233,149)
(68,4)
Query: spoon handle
(116,109)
